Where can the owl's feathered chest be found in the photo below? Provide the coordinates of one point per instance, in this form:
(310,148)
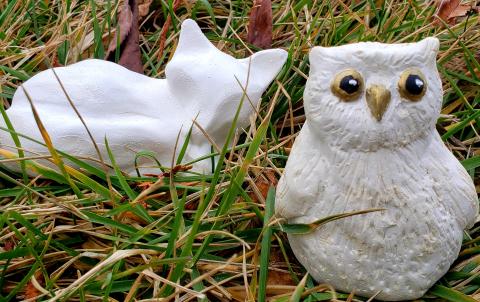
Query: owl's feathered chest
(419,181)
(427,200)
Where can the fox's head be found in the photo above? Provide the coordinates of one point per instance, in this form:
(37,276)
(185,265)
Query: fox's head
(212,82)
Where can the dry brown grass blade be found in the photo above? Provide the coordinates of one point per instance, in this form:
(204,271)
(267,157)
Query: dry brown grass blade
(149,190)
(166,25)
(171,283)
(239,294)
(313,23)
(118,255)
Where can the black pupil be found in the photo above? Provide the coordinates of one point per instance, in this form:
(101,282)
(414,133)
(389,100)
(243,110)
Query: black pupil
(349,84)
(414,84)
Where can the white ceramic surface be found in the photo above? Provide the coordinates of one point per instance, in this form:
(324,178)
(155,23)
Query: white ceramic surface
(136,112)
(345,159)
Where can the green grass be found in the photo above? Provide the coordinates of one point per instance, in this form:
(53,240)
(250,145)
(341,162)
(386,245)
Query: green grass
(87,236)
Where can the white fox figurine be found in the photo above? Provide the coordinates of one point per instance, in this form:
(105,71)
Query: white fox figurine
(135,112)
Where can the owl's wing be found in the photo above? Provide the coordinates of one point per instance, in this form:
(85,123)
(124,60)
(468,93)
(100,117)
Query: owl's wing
(303,182)
(453,184)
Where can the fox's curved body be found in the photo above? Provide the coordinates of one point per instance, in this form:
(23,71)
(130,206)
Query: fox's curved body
(135,112)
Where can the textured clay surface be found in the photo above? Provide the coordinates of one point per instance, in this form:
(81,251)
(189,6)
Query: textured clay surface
(346,160)
(135,112)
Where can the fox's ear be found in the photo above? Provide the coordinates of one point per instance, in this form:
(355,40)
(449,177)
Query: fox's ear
(265,65)
(192,39)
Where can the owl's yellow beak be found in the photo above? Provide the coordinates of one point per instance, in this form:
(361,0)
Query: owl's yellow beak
(378,98)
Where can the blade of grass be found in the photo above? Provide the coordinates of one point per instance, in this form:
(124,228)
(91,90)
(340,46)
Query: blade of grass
(16,141)
(265,245)
(471,163)
(232,192)
(123,183)
(204,201)
(81,164)
(450,294)
(297,294)
(46,137)
(298,228)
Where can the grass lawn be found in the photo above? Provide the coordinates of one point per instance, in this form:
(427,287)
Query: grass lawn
(88,237)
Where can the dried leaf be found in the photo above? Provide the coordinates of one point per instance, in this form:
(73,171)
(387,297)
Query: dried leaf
(450,10)
(263,183)
(260,24)
(176,169)
(127,39)
(132,216)
(278,277)
(8,245)
(144,7)
(146,184)
(31,292)
(55,61)
(445,8)
(461,11)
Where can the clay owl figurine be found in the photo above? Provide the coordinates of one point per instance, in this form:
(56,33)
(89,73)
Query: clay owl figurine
(370,141)
(135,112)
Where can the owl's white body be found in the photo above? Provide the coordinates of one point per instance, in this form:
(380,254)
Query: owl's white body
(138,113)
(344,161)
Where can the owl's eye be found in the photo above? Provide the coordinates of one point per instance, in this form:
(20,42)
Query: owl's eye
(347,85)
(412,84)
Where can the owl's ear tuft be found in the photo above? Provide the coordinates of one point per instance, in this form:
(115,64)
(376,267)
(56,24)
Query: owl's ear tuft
(317,55)
(429,46)
(192,40)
